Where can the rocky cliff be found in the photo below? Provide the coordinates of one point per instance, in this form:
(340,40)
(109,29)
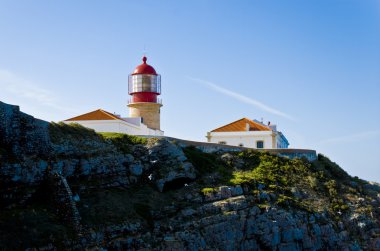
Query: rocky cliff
(68,188)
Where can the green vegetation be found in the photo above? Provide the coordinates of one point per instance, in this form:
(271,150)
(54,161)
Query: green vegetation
(203,162)
(329,169)
(84,138)
(250,159)
(243,177)
(123,141)
(207,190)
(125,138)
(285,201)
(331,188)
(270,170)
(266,180)
(293,183)
(264,206)
(61,131)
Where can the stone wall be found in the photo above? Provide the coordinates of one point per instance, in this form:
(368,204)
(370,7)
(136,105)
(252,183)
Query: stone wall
(291,153)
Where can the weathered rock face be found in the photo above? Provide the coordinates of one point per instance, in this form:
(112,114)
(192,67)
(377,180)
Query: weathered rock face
(170,164)
(230,222)
(234,224)
(66,187)
(21,133)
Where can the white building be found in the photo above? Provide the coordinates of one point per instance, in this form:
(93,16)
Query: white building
(248,133)
(103,121)
(144,86)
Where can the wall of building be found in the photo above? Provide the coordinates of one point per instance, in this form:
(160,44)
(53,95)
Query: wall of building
(281,141)
(134,121)
(118,126)
(248,139)
(150,112)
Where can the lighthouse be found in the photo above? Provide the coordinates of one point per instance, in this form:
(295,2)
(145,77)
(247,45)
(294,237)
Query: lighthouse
(144,85)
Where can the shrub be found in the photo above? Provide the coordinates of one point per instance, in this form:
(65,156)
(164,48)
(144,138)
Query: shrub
(207,190)
(203,162)
(329,168)
(271,169)
(313,182)
(331,187)
(284,200)
(242,177)
(250,158)
(338,205)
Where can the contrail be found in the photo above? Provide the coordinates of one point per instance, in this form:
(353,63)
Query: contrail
(242,98)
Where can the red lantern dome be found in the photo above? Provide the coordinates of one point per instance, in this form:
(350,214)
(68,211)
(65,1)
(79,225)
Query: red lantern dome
(144,68)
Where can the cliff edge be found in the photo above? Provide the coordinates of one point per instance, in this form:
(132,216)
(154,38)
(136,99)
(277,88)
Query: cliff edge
(65,187)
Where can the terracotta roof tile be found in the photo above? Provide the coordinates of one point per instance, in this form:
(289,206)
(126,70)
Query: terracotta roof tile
(95,115)
(241,126)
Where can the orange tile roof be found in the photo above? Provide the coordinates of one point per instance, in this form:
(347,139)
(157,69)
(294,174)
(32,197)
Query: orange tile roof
(241,126)
(95,115)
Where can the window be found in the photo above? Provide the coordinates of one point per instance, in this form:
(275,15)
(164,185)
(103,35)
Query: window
(241,144)
(222,142)
(259,144)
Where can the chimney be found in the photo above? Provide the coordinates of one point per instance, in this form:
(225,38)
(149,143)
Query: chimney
(247,127)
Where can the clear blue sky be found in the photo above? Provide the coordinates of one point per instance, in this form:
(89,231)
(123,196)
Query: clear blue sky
(311,67)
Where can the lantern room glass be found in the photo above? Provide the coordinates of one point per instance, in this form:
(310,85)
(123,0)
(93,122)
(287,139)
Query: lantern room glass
(144,83)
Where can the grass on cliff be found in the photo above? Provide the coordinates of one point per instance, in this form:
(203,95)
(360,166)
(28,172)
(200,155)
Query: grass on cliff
(204,162)
(269,169)
(254,167)
(73,132)
(123,141)
(61,133)
(296,182)
(329,169)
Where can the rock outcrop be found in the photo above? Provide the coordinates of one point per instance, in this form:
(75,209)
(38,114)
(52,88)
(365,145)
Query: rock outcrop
(22,133)
(171,165)
(66,187)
